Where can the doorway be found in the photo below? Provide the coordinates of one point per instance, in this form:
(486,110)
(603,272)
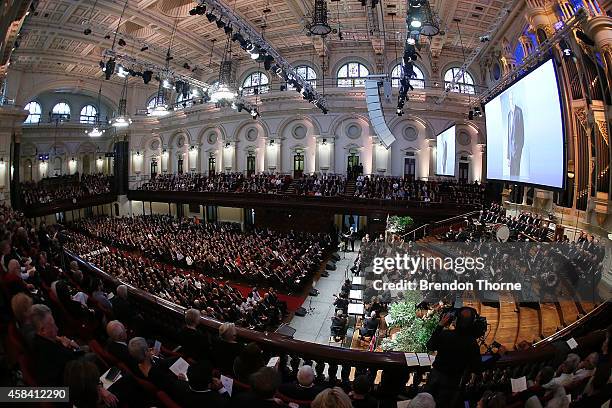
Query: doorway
(298,165)
(153,167)
(409,168)
(179,167)
(250,164)
(464,171)
(212,165)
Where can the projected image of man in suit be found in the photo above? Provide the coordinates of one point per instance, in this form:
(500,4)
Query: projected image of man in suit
(444,155)
(516,137)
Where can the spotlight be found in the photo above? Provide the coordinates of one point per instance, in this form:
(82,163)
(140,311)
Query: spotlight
(121,42)
(484,38)
(178,87)
(410,41)
(211,17)
(399,112)
(102,65)
(122,72)
(416,24)
(147,76)
(254,115)
(87,31)
(186,66)
(471,115)
(144,48)
(166,83)
(254,55)
(228,29)
(220,23)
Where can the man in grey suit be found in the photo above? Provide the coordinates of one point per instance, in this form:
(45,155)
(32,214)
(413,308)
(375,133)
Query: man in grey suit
(516,137)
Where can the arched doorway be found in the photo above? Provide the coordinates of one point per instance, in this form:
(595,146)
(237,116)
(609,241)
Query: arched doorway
(212,164)
(410,166)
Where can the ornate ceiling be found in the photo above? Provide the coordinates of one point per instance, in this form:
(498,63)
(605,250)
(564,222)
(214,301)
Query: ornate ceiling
(53,39)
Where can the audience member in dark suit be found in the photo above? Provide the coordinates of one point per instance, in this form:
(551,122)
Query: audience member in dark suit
(51,352)
(226,348)
(342,302)
(304,389)
(194,342)
(361,393)
(369,326)
(264,384)
(339,325)
(202,390)
(248,362)
(117,343)
(124,311)
(157,372)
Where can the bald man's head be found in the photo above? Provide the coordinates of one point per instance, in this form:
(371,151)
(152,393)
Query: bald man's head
(14,267)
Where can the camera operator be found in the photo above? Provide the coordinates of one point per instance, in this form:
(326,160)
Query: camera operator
(457,351)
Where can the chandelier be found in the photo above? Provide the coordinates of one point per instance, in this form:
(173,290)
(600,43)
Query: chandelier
(122,120)
(97,130)
(159,108)
(222,92)
(430,22)
(318,25)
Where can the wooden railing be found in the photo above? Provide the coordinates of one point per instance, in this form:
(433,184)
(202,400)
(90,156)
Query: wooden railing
(69,204)
(337,204)
(395,372)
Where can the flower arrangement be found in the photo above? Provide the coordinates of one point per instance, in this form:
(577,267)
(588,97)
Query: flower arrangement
(399,225)
(414,331)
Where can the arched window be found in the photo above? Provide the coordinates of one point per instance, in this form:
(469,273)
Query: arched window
(418,81)
(256,83)
(307,73)
(34,110)
(465,83)
(183,102)
(352,74)
(89,114)
(151,102)
(60,111)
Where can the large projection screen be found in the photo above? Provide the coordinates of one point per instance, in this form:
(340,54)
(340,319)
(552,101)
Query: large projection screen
(445,152)
(525,139)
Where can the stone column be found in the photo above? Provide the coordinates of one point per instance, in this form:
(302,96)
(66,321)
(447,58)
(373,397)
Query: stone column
(431,147)
(599,29)
(540,14)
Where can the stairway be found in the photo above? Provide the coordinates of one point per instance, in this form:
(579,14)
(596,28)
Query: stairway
(350,188)
(291,188)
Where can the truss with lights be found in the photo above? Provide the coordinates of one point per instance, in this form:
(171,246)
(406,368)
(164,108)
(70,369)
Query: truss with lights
(197,90)
(253,43)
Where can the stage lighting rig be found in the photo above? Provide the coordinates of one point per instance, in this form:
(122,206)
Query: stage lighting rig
(256,46)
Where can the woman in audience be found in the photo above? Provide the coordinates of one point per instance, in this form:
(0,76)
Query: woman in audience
(332,398)
(83,379)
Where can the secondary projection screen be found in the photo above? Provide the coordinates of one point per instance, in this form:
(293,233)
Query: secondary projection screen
(525,140)
(445,152)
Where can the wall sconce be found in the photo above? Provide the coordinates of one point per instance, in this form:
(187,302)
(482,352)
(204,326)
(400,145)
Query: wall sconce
(191,148)
(324,142)
(73,160)
(271,142)
(227,145)
(570,175)
(137,153)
